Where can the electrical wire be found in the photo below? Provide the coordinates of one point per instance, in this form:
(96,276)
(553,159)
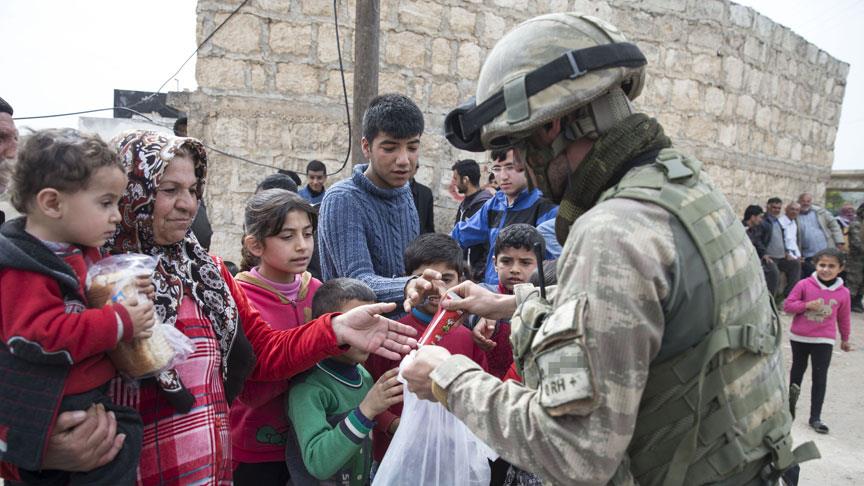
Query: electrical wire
(208,147)
(206,39)
(344,89)
(152,122)
(57,115)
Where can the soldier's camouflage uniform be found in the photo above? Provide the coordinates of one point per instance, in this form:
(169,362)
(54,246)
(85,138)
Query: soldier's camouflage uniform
(620,256)
(620,277)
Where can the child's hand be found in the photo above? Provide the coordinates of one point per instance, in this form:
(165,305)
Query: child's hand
(814,305)
(845,346)
(482,333)
(394,425)
(385,392)
(145,287)
(141,314)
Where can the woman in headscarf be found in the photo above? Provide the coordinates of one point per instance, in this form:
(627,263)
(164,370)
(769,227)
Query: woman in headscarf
(185,410)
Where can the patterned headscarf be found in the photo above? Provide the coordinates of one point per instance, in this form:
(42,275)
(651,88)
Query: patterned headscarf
(184,267)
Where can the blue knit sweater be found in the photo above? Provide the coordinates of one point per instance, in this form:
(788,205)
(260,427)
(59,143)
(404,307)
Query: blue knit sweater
(363,231)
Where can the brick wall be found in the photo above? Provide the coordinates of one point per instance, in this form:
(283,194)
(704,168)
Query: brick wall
(752,99)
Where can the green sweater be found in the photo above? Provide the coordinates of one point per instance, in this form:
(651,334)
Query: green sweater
(332,434)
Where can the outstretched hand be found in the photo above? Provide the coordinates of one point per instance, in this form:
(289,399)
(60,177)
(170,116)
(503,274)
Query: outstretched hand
(365,328)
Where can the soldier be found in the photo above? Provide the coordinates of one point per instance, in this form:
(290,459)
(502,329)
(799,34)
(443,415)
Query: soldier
(656,358)
(855,263)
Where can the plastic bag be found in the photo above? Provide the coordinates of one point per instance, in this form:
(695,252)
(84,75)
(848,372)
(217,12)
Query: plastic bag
(113,279)
(432,447)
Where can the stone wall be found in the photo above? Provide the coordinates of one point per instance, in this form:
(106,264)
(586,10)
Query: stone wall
(749,97)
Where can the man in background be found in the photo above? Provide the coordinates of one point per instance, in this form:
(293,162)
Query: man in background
(316,177)
(466,178)
(819,230)
(8,146)
(776,248)
(424,202)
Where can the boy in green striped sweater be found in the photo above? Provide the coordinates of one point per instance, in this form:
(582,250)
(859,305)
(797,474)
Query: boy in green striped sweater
(332,406)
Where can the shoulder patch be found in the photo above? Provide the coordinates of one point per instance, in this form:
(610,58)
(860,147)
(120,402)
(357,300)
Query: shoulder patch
(566,382)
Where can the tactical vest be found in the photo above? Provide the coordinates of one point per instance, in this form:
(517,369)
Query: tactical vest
(716,413)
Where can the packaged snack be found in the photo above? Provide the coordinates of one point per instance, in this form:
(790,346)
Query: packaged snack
(113,280)
(442,322)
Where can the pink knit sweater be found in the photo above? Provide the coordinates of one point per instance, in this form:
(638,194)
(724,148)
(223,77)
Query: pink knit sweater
(819,326)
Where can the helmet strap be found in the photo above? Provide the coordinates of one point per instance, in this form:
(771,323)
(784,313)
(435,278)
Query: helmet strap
(590,121)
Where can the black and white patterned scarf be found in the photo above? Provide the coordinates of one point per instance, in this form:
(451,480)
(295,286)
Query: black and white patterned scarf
(184,267)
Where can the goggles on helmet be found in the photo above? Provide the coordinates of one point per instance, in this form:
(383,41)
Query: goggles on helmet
(463,126)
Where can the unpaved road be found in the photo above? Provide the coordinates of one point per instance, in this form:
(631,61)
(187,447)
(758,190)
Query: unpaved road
(842,450)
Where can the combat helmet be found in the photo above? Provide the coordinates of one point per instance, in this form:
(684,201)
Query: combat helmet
(546,67)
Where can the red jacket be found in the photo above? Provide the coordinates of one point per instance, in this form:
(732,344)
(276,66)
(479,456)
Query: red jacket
(33,307)
(258,422)
(457,341)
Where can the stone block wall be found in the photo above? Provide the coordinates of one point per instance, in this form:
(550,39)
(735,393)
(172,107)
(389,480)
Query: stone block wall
(755,101)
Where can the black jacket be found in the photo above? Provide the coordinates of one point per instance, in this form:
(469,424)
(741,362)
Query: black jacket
(760,236)
(423,201)
(475,255)
(31,382)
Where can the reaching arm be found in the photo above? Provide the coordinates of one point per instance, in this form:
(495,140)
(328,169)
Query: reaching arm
(572,432)
(343,242)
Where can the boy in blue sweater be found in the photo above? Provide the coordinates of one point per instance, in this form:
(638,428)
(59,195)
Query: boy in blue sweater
(366,222)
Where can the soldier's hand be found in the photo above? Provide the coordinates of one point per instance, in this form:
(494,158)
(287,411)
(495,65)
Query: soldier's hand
(482,334)
(417,372)
(481,302)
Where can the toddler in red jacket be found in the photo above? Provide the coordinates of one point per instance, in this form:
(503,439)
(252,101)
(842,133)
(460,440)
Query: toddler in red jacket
(53,351)
(821,305)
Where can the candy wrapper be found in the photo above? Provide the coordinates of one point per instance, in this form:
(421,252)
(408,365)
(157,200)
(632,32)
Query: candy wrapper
(442,322)
(113,280)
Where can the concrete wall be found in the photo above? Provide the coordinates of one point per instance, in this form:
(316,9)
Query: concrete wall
(755,101)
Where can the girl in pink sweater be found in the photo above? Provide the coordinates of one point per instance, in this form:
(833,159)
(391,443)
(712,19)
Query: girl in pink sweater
(277,248)
(821,305)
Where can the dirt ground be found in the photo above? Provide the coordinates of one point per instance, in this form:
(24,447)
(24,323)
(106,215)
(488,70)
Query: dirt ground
(842,461)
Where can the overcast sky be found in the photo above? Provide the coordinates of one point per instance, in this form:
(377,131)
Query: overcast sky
(69,55)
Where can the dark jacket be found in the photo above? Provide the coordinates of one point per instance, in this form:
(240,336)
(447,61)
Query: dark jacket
(34,379)
(423,201)
(475,255)
(760,236)
(530,207)
(201,227)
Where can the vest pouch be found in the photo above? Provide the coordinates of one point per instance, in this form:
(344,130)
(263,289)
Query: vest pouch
(524,324)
